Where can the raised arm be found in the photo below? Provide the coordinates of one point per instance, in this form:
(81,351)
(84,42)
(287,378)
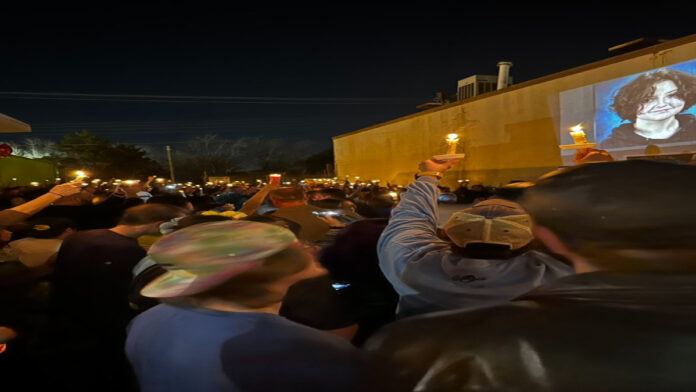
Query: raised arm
(251,205)
(412,229)
(23,211)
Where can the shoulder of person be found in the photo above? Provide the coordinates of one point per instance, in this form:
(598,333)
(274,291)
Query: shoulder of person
(687,121)
(303,358)
(619,136)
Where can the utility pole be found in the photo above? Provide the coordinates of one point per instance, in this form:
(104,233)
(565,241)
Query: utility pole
(171,167)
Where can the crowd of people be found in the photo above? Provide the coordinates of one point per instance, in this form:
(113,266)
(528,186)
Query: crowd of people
(583,280)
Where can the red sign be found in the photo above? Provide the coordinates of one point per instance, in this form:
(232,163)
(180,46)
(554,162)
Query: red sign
(5,150)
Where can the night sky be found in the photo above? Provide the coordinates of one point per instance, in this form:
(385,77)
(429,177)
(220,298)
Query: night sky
(161,73)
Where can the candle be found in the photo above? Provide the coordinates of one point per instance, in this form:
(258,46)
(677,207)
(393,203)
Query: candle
(452,140)
(578,134)
(274,178)
(79,175)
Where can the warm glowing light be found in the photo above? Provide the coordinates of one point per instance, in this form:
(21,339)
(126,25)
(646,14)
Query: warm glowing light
(34,183)
(96,181)
(129,182)
(578,134)
(452,140)
(80,174)
(393,194)
(14,178)
(460,181)
(159,179)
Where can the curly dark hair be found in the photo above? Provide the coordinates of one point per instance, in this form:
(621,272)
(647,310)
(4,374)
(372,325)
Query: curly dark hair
(629,97)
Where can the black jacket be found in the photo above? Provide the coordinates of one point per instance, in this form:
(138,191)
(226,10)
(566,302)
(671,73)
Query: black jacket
(588,332)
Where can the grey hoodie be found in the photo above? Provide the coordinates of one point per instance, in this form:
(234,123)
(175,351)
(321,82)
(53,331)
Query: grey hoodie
(429,276)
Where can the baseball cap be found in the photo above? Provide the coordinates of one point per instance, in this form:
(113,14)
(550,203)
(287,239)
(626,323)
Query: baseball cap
(494,221)
(206,255)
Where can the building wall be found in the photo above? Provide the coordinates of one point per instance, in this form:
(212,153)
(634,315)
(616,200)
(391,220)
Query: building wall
(509,134)
(25,170)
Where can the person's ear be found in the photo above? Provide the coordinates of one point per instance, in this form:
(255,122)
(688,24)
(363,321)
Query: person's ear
(551,240)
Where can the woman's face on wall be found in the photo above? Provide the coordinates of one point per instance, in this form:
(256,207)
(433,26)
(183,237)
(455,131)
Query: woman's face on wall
(663,104)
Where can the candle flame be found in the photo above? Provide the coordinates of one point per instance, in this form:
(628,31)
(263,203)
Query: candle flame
(576,128)
(452,137)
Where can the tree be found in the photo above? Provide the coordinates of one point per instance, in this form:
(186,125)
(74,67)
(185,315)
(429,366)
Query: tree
(84,150)
(36,148)
(316,163)
(129,161)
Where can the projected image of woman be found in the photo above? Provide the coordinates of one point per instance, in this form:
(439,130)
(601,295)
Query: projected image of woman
(654,104)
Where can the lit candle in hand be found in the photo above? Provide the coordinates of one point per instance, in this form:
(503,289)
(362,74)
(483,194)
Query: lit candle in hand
(578,134)
(452,140)
(79,175)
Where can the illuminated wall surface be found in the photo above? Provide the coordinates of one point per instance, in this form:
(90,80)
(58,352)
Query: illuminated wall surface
(24,171)
(514,134)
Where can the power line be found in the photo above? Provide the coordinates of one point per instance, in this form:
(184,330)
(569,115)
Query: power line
(27,95)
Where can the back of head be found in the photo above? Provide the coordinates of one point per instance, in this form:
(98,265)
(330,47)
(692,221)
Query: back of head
(198,219)
(630,215)
(329,204)
(150,213)
(49,227)
(203,203)
(353,255)
(333,193)
(276,220)
(169,199)
(234,261)
(284,196)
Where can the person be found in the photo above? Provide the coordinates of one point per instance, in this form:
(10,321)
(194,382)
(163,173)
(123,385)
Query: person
(490,257)
(22,212)
(219,328)
(623,322)
(42,242)
(354,299)
(292,204)
(147,269)
(91,292)
(653,106)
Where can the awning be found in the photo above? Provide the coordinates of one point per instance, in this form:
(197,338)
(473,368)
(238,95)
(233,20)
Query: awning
(10,125)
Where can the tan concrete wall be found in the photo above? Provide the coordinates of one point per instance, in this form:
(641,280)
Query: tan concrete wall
(507,135)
